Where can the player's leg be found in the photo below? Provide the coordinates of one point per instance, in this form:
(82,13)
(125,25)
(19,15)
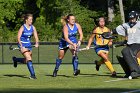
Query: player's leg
(98,63)
(61,54)
(28,57)
(124,66)
(17,60)
(101,61)
(107,62)
(131,61)
(20,60)
(75,62)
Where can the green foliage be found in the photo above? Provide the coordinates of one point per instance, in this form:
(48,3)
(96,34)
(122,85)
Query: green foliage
(8,12)
(8,9)
(48,13)
(53,10)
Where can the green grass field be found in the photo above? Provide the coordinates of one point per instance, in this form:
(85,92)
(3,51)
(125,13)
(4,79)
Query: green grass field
(15,80)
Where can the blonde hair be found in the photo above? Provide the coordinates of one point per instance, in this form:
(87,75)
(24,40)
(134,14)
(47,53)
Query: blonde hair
(64,20)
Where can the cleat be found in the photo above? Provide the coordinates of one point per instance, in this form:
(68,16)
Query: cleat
(97,66)
(114,74)
(32,77)
(14,61)
(55,73)
(76,72)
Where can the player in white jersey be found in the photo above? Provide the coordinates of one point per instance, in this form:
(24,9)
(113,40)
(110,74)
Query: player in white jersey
(130,61)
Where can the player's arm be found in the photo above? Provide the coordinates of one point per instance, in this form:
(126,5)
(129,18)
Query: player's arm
(80,33)
(19,35)
(65,31)
(36,37)
(91,39)
(122,31)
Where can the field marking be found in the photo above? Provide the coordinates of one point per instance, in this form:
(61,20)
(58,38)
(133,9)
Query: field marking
(119,79)
(133,91)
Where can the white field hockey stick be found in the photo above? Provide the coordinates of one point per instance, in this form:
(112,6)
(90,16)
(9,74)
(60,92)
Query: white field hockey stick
(17,48)
(92,47)
(81,49)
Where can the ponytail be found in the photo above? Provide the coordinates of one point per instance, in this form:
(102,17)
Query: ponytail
(64,20)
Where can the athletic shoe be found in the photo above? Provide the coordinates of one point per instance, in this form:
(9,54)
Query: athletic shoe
(97,66)
(76,72)
(55,73)
(32,77)
(114,74)
(14,61)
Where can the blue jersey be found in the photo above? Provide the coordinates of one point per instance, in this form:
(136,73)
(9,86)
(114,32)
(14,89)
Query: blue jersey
(72,32)
(26,36)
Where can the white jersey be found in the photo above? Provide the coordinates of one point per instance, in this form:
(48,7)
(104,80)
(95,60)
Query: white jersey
(133,33)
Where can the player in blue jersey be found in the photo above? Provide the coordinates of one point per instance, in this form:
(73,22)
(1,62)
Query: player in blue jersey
(24,35)
(69,41)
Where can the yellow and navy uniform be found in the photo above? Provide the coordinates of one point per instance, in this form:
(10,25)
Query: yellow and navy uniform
(99,40)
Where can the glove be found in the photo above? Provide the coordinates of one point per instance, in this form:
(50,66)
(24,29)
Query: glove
(125,42)
(114,31)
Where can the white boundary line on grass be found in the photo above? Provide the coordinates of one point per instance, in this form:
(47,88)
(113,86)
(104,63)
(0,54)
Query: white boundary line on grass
(133,91)
(119,79)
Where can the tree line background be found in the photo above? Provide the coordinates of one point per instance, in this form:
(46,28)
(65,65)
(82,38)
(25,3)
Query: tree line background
(47,15)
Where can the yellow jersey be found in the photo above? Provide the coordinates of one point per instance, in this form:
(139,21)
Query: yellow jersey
(99,40)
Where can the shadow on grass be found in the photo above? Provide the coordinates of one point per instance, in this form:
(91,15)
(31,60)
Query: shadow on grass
(91,75)
(105,75)
(61,76)
(117,73)
(87,75)
(100,90)
(12,75)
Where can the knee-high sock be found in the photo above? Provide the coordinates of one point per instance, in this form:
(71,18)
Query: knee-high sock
(138,59)
(109,66)
(58,63)
(75,63)
(31,68)
(100,62)
(20,60)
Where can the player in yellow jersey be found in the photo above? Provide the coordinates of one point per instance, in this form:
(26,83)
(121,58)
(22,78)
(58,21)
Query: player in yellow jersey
(101,51)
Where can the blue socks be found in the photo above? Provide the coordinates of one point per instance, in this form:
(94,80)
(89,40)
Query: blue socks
(58,63)
(75,63)
(20,60)
(31,68)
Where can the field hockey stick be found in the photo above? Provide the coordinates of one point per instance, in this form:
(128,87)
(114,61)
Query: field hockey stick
(81,49)
(119,45)
(123,43)
(106,35)
(17,48)
(92,47)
